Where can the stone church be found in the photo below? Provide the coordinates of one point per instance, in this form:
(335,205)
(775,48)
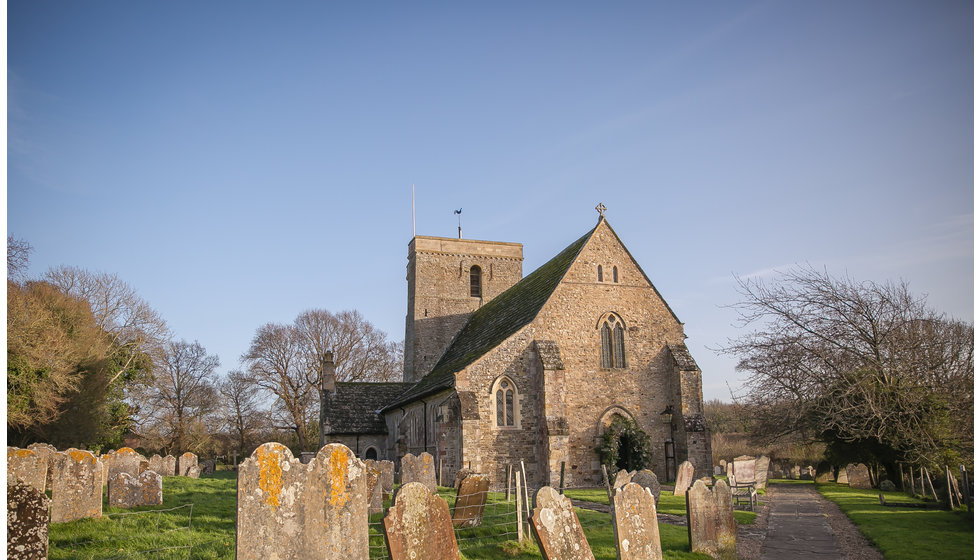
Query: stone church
(502,368)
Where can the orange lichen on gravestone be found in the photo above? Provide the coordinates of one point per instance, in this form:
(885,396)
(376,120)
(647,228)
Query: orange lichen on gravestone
(22,452)
(338,477)
(270,474)
(126,451)
(78,456)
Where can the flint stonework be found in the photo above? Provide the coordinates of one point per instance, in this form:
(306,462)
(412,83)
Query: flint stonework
(418,526)
(685,475)
(557,528)
(858,476)
(711,520)
(185,462)
(648,479)
(291,511)
(28,466)
(127,491)
(27,522)
(635,523)
(471,498)
(419,469)
(76,486)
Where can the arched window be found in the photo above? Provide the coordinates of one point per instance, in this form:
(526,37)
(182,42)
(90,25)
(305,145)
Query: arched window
(613,342)
(371,454)
(505,404)
(615,275)
(476,282)
(600,273)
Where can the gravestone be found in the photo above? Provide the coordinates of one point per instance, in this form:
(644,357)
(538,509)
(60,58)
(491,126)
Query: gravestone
(730,473)
(418,526)
(622,478)
(744,469)
(471,498)
(557,528)
(76,486)
(724,465)
(185,462)
(127,491)
(761,472)
(123,460)
(842,476)
(374,493)
(28,466)
(825,475)
(27,522)
(718,471)
(193,471)
(460,475)
(419,469)
(47,451)
(647,479)
(685,475)
(795,472)
(291,511)
(889,486)
(635,524)
(858,476)
(159,465)
(144,465)
(387,469)
(208,467)
(711,520)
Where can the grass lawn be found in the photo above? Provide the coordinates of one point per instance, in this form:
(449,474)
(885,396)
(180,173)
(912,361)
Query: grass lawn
(197,520)
(669,503)
(904,533)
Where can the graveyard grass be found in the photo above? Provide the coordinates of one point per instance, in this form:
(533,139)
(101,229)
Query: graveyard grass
(669,503)
(904,533)
(197,521)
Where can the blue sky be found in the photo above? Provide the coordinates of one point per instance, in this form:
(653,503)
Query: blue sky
(241,162)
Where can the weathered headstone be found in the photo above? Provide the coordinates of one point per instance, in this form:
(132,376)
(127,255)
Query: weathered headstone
(635,523)
(557,528)
(387,469)
(858,476)
(718,471)
(27,522)
(842,476)
(711,520)
(291,511)
(622,478)
(825,475)
(460,475)
(374,492)
(761,472)
(193,471)
(47,451)
(723,464)
(208,467)
(124,460)
(27,466)
(730,473)
(795,472)
(76,486)
(471,498)
(418,525)
(127,491)
(887,485)
(160,465)
(685,475)
(419,469)
(184,463)
(744,469)
(648,479)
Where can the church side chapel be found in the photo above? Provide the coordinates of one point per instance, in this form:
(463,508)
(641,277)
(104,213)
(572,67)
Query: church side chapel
(501,368)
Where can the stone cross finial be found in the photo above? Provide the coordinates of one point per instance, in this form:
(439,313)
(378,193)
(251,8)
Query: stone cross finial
(601,209)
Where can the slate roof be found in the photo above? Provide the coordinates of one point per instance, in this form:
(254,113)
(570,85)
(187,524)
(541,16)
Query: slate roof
(353,407)
(682,357)
(493,323)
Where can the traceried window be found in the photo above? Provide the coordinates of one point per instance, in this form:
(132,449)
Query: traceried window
(476,282)
(600,273)
(613,343)
(505,397)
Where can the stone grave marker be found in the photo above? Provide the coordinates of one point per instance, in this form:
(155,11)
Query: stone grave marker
(685,475)
(291,511)
(122,460)
(158,465)
(842,476)
(825,475)
(471,498)
(744,469)
(374,492)
(127,491)
(76,486)
(711,520)
(635,524)
(387,469)
(460,475)
(795,472)
(761,472)
(209,466)
(858,476)
(723,464)
(647,479)
(47,451)
(193,471)
(418,526)
(27,466)
(557,528)
(27,522)
(718,471)
(419,469)
(184,463)
(622,478)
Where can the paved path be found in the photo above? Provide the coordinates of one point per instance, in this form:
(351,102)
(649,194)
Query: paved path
(798,528)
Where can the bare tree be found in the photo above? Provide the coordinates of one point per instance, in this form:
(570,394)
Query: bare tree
(361,352)
(240,409)
(844,361)
(18,257)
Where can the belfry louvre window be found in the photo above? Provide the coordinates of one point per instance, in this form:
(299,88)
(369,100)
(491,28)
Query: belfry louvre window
(505,404)
(476,282)
(613,341)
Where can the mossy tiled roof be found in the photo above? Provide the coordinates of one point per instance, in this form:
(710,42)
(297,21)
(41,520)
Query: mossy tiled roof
(352,408)
(501,317)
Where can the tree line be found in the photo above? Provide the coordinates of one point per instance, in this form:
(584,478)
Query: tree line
(90,364)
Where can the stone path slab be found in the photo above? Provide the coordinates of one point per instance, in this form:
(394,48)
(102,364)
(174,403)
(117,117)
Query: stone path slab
(798,528)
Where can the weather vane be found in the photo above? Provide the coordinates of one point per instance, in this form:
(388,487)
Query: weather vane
(601,209)
(459,222)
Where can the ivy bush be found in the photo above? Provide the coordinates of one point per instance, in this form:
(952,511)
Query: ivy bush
(624,446)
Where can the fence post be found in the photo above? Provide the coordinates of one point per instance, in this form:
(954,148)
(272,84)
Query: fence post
(931,487)
(561,479)
(967,491)
(527,499)
(605,476)
(520,508)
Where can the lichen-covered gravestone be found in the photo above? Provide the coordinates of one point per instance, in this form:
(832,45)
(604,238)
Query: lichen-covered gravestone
(193,471)
(127,491)
(460,475)
(124,460)
(761,472)
(622,478)
(470,501)
(47,451)
(418,526)
(647,479)
(685,475)
(27,466)
(374,492)
(159,465)
(291,511)
(185,462)
(711,520)
(387,480)
(842,476)
(557,528)
(27,522)
(419,469)
(635,523)
(76,486)
(858,476)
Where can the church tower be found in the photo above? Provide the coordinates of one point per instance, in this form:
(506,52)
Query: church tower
(449,279)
